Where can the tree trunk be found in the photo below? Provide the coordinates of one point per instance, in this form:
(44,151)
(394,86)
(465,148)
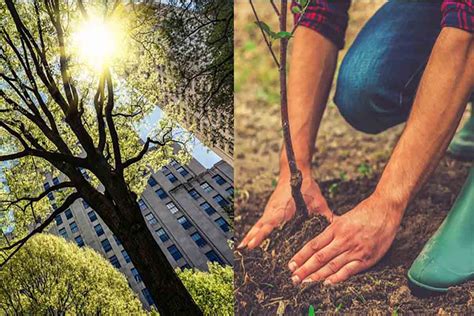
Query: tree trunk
(122,215)
(169,293)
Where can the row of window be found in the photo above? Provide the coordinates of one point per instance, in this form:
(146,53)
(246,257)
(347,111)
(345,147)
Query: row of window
(211,255)
(116,263)
(172,178)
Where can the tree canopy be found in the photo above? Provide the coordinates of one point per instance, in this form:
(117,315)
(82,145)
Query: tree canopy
(50,276)
(77,81)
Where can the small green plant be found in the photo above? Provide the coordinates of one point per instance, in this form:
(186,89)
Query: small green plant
(343,176)
(333,189)
(338,307)
(395,311)
(311,311)
(364,169)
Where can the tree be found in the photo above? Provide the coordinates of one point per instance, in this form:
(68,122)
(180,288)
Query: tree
(284,36)
(50,276)
(204,80)
(213,291)
(70,113)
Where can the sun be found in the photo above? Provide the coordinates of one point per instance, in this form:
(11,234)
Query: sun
(96,42)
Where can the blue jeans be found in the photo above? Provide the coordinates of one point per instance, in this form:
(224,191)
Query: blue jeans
(380,73)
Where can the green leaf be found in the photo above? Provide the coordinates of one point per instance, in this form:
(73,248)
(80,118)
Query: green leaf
(264,26)
(285,35)
(311,310)
(302,3)
(296,10)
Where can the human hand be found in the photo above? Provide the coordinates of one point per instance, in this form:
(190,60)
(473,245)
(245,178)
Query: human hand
(352,243)
(281,208)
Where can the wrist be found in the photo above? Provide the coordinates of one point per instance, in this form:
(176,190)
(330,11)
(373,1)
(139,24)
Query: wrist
(393,206)
(285,174)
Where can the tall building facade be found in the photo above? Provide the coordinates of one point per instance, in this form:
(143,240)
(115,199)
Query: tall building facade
(186,209)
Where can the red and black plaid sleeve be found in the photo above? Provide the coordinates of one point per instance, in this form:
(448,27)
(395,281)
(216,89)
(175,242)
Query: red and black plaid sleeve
(458,14)
(327,17)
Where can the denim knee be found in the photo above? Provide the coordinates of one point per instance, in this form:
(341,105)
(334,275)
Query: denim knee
(357,99)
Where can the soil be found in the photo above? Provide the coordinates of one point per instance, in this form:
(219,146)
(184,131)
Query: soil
(347,164)
(262,281)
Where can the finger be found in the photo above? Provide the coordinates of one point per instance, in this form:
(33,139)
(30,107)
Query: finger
(310,248)
(249,235)
(345,272)
(318,260)
(330,268)
(264,231)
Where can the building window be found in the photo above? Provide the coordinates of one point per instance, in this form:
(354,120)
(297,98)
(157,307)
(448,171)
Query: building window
(115,262)
(63,232)
(59,219)
(185,266)
(163,235)
(175,253)
(206,207)
(182,171)
(73,227)
(79,241)
(46,186)
(148,297)
(99,230)
(136,275)
(219,180)
(194,194)
(185,222)
(151,219)
(230,191)
(85,204)
(171,177)
(142,205)
(68,213)
(174,163)
(173,208)
(117,241)
(51,196)
(201,242)
(125,256)
(106,245)
(56,181)
(161,193)
(222,224)
(152,182)
(206,187)
(213,257)
(92,216)
(220,200)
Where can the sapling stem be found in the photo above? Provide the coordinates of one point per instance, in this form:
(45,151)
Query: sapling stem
(296,177)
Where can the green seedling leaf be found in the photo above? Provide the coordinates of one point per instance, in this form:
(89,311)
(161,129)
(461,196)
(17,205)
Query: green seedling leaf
(302,3)
(338,308)
(282,35)
(264,26)
(311,311)
(343,176)
(296,10)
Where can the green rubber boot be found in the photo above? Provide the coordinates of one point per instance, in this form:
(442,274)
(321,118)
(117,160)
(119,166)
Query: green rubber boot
(448,257)
(462,145)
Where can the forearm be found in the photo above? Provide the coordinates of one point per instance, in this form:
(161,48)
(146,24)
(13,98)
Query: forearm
(313,61)
(438,107)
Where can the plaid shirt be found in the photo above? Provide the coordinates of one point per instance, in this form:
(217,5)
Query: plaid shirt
(330,17)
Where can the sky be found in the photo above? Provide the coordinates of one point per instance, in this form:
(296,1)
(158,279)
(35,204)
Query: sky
(201,152)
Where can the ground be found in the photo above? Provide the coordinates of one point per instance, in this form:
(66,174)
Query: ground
(347,164)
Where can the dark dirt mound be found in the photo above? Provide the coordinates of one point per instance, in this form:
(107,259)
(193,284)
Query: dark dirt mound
(263,285)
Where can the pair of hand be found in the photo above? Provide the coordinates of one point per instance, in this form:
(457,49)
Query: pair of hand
(351,243)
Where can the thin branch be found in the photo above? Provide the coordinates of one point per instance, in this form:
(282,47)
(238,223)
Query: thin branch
(269,45)
(20,243)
